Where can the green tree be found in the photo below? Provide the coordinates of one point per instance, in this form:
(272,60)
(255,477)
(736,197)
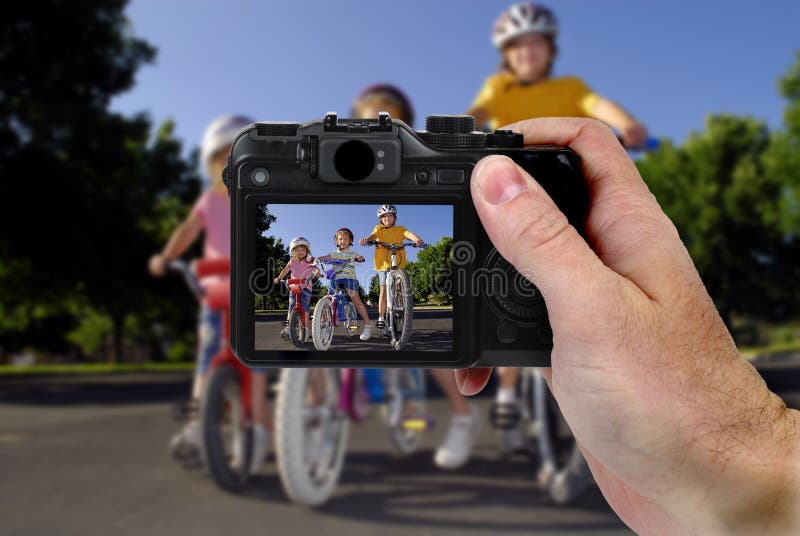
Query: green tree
(88,187)
(271,257)
(374,289)
(732,192)
(432,273)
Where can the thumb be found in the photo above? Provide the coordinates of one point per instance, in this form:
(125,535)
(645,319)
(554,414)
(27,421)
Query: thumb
(531,233)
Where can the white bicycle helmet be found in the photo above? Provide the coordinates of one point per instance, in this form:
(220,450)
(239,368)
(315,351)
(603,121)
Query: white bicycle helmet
(520,19)
(387,209)
(220,133)
(298,241)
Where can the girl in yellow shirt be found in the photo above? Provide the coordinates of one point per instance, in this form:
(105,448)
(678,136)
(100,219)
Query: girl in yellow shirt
(522,88)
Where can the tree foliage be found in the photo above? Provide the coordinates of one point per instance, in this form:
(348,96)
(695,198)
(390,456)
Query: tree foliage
(732,192)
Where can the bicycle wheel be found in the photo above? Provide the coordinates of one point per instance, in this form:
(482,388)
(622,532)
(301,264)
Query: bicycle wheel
(310,434)
(226,439)
(322,325)
(297,331)
(563,470)
(350,319)
(402,308)
(405,412)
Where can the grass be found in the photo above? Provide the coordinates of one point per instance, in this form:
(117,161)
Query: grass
(750,352)
(92,368)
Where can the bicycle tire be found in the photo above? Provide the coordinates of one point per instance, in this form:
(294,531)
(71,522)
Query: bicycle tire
(402,309)
(310,441)
(564,471)
(322,325)
(404,387)
(221,408)
(297,331)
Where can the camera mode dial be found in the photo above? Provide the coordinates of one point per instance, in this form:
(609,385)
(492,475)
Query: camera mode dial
(452,132)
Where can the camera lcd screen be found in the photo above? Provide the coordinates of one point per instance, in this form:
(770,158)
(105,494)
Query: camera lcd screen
(322,305)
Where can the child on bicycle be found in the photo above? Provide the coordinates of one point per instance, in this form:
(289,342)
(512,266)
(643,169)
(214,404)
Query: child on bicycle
(211,216)
(387,231)
(345,274)
(523,88)
(300,266)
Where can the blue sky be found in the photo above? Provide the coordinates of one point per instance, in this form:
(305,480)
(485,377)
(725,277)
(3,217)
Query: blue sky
(318,223)
(669,63)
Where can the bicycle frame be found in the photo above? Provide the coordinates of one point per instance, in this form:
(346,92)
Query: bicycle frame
(296,286)
(217,297)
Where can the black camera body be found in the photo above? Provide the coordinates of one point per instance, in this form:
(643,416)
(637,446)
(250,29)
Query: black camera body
(316,176)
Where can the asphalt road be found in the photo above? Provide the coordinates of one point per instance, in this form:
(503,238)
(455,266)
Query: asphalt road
(431,331)
(85,456)
(75,460)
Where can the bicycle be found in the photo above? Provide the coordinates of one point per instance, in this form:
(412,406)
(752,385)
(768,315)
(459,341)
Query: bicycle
(297,318)
(225,412)
(562,471)
(399,297)
(331,310)
(319,405)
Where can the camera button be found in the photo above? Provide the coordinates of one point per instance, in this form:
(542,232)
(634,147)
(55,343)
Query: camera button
(507,333)
(259,177)
(423,177)
(450,177)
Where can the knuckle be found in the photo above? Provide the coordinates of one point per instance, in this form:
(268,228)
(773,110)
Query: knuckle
(539,231)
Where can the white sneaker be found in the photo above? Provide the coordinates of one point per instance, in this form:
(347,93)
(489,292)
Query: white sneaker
(186,443)
(457,446)
(367,333)
(308,335)
(285,333)
(260,447)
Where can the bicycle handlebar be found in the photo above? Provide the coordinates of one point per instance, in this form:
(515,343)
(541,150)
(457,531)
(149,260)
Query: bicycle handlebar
(189,277)
(395,246)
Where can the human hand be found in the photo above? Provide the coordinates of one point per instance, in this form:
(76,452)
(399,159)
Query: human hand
(362,241)
(276,281)
(419,242)
(680,432)
(157,265)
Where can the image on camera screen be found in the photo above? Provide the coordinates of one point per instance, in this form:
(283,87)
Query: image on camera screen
(321,305)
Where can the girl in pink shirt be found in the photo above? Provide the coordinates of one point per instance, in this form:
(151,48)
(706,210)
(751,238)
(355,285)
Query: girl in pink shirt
(211,216)
(299,266)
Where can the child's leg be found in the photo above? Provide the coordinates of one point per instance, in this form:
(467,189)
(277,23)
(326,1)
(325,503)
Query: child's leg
(305,301)
(258,399)
(382,302)
(359,304)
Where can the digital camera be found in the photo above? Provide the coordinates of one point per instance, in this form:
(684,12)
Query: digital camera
(452,304)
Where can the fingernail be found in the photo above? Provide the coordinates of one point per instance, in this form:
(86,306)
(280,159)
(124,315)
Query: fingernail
(461,380)
(499,180)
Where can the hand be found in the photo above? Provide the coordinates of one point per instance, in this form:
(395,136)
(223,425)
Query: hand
(359,258)
(419,242)
(680,432)
(362,241)
(276,281)
(157,266)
